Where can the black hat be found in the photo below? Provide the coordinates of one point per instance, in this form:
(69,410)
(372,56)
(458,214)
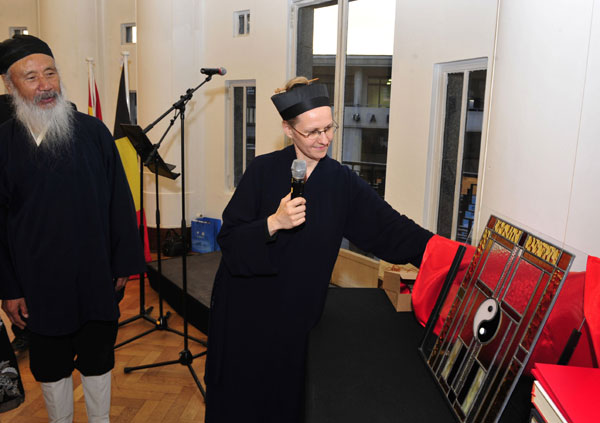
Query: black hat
(18,47)
(299,99)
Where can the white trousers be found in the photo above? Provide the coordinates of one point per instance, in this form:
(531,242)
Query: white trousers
(59,398)
(97,397)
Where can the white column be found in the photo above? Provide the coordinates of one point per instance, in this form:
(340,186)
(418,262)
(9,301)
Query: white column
(168,51)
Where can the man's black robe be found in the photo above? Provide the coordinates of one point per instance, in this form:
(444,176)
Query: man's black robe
(67,227)
(269,293)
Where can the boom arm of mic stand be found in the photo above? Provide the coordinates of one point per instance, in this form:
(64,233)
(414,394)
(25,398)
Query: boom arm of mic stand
(180,104)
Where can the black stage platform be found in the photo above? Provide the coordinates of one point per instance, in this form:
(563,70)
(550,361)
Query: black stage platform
(201,270)
(363,365)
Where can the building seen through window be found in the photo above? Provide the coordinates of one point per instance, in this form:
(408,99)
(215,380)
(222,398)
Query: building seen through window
(366,66)
(367,83)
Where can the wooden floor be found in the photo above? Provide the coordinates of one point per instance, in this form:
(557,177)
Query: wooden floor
(161,394)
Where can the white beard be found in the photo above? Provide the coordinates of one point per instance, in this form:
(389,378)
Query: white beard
(57,120)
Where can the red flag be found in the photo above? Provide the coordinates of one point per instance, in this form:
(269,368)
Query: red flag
(591,301)
(94,108)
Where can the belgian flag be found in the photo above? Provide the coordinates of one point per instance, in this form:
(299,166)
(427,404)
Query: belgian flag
(129,156)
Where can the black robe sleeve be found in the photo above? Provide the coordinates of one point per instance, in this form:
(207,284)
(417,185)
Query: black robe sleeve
(245,245)
(374,226)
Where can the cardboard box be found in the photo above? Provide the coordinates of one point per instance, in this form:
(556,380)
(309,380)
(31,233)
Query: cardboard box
(400,301)
(408,270)
(353,270)
(394,280)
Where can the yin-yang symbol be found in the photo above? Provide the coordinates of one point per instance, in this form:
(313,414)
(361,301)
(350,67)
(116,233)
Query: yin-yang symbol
(487,321)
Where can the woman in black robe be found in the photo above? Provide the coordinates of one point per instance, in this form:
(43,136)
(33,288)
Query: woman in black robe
(278,256)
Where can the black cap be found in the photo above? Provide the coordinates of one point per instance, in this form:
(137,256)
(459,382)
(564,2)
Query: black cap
(20,46)
(299,99)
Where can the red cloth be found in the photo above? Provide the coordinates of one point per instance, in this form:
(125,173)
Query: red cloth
(591,302)
(436,263)
(147,255)
(404,288)
(566,315)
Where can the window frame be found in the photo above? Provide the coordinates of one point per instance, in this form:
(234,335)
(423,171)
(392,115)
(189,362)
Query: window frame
(124,27)
(230,85)
(236,23)
(12,30)
(340,61)
(436,137)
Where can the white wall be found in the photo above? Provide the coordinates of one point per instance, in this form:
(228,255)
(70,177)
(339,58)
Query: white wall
(261,56)
(426,33)
(583,225)
(111,14)
(543,132)
(24,15)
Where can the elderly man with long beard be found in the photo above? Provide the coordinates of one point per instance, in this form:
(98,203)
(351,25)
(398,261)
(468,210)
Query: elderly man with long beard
(68,233)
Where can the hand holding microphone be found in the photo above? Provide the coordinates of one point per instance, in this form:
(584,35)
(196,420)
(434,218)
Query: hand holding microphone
(292,208)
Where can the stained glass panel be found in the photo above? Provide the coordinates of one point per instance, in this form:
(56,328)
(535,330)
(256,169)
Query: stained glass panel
(494,322)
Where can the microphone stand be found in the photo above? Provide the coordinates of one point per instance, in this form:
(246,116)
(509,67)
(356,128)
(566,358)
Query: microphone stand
(149,159)
(186,358)
(144,312)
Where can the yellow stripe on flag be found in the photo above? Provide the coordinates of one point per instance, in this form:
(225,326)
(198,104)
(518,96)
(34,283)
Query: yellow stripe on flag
(129,159)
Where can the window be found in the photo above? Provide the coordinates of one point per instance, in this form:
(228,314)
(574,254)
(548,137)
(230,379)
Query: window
(378,92)
(354,60)
(241,23)
(241,124)
(17,30)
(461,92)
(348,45)
(128,33)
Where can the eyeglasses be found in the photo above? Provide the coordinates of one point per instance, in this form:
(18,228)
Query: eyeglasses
(314,135)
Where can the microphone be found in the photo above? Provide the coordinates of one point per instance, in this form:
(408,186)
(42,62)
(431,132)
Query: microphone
(298,175)
(213,71)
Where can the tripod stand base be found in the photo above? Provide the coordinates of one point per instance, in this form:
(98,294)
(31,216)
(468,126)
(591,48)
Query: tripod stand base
(186,358)
(159,324)
(143,315)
